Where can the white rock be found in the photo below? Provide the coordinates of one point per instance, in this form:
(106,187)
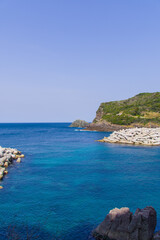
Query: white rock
(144,136)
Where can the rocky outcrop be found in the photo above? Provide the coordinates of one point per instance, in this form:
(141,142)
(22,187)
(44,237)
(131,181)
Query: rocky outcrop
(122,224)
(7,156)
(79,124)
(103,126)
(137,136)
(142,110)
(99,115)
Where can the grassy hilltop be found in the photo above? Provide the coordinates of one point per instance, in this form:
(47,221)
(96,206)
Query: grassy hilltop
(142,109)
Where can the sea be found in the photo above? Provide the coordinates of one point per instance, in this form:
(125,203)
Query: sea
(68,182)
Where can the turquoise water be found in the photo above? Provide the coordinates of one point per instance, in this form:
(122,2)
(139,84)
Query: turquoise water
(67,182)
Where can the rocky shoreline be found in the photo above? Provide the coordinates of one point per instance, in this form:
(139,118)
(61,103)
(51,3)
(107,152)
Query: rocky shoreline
(122,224)
(7,156)
(135,136)
(103,126)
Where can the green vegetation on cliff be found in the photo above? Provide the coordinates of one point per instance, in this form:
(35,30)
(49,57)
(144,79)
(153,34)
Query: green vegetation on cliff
(143,109)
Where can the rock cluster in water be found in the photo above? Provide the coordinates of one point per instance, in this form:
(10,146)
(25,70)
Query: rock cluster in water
(121,224)
(138,136)
(79,123)
(7,156)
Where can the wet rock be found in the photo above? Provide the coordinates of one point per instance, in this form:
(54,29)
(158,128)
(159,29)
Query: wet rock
(121,224)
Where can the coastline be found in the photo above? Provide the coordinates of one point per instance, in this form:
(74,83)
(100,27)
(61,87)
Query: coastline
(103,126)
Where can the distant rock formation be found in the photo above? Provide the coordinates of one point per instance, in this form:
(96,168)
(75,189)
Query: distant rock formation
(79,124)
(121,224)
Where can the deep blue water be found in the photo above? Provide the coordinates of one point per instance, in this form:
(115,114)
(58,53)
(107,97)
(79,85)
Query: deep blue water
(68,182)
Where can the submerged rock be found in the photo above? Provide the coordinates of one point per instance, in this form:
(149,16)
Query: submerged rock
(121,224)
(79,123)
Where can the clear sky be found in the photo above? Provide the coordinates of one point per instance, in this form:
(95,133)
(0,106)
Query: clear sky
(59,59)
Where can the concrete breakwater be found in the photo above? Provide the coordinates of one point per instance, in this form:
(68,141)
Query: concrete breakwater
(7,156)
(137,136)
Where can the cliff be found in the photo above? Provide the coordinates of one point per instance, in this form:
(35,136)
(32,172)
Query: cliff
(142,110)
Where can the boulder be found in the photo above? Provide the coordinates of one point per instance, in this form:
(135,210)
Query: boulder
(122,224)
(3,160)
(18,160)
(1,172)
(6,164)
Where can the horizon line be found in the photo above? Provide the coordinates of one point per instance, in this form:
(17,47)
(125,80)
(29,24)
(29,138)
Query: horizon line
(33,122)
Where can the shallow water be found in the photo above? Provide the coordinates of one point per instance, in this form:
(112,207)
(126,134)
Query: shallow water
(67,182)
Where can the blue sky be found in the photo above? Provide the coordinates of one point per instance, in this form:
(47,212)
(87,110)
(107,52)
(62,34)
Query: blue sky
(59,59)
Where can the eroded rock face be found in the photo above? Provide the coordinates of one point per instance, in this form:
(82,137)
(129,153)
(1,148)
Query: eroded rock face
(121,224)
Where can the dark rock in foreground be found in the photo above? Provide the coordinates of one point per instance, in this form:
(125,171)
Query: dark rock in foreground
(121,224)
(79,123)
